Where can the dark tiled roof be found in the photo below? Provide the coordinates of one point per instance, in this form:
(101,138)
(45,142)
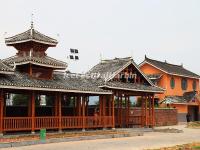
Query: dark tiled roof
(43,61)
(4,68)
(132,87)
(171,68)
(110,66)
(186,98)
(60,82)
(31,35)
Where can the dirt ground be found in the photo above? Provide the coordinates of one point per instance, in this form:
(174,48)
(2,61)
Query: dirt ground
(150,140)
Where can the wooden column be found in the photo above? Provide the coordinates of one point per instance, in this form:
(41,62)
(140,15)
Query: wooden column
(153,112)
(30,70)
(79,106)
(1,111)
(103,109)
(60,111)
(74,105)
(100,105)
(150,108)
(83,112)
(56,105)
(121,111)
(87,103)
(142,111)
(29,105)
(146,112)
(128,109)
(118,110)
(104,105)
(33,112)
(113,111)
(110,106)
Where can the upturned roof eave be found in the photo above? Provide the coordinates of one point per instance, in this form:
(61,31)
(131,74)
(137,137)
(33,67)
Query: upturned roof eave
(55,90)
(6,72)
(128,89)
(40,64)
(30,40)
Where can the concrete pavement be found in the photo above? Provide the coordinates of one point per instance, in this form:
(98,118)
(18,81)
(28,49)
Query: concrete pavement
(149,140)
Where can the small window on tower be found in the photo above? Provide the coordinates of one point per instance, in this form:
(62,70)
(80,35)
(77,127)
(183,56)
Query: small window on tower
(172,83)
(184,84)
(194,85)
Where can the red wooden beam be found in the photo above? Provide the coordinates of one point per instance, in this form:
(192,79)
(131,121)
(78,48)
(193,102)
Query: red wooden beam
(1,111)
(33,111)
(113,111)
(142,111)
(150,111)
(128,110)
(60,111)
(153,112)
(146,112)
(83,112)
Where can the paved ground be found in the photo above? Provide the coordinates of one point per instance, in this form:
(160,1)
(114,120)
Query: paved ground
(149,140)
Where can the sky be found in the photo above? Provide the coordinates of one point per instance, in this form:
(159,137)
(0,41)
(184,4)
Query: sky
(104,29)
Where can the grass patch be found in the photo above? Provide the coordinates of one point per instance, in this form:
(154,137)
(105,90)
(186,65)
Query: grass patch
(190,146)
(194,125)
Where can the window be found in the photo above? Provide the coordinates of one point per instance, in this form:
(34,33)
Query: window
(194,85)
(172,83)
(184,84)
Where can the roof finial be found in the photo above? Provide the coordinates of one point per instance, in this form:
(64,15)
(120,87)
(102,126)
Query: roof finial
(182,65)
(101,57)
(32,20)
(145,56)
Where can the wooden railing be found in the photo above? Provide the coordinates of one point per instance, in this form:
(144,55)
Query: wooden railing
(16,123)
(72,122)
(46,122)
(69,122)
(93,122)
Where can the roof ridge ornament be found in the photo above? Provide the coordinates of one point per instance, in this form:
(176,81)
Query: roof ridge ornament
(32,25)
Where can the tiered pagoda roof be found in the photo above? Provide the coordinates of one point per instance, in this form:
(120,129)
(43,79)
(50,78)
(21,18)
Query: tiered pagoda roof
(44,61)
(31,46)
(31,35)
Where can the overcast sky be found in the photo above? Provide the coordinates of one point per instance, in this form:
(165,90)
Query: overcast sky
(161,29)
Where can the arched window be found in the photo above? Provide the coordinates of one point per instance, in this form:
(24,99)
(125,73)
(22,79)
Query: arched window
(194,85)
(172,83)
(184,84)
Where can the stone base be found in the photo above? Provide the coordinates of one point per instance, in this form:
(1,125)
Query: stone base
(83,130)
(32,132)
(1,134)
(113,128)
(60,131)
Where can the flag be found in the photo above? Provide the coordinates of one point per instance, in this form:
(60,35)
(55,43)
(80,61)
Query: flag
(74,54)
